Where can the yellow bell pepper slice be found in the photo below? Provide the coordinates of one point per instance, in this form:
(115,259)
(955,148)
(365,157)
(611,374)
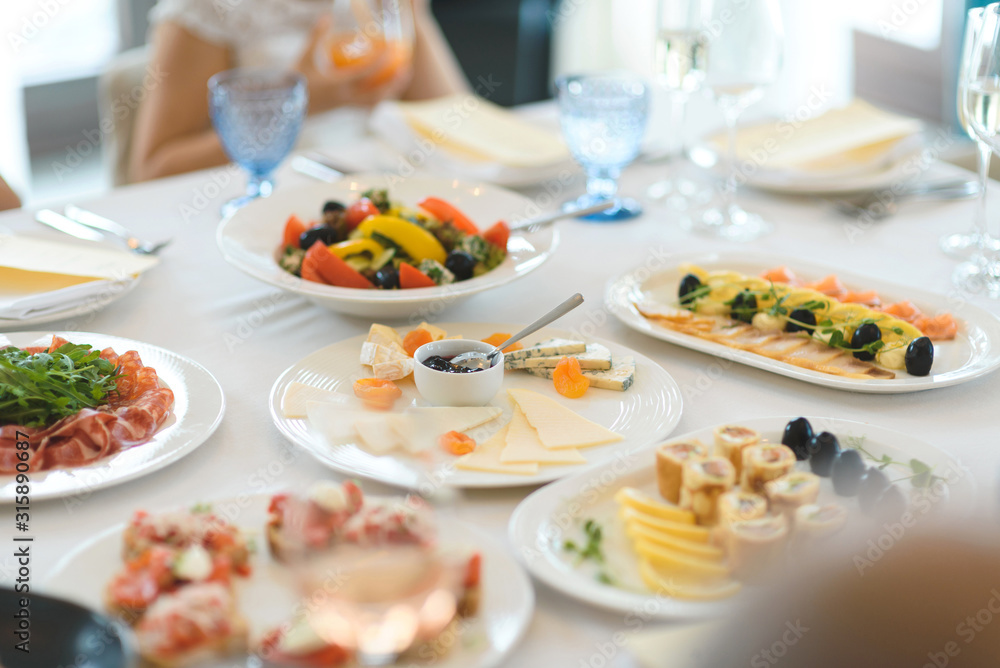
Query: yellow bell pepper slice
(356,247)
(417,242)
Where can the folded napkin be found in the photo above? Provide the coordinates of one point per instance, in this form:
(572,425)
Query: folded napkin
(40,277)
(857,138)
(468,137)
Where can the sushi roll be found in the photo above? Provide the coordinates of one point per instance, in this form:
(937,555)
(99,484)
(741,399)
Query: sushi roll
(737,505)
(670,460)
(790,491)
(756,545)
(703,482)
(812,521)
(765,462)
(731,440)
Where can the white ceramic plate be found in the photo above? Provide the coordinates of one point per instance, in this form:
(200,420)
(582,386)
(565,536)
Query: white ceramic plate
(973,353)
(267,601)
(544,520)
(895,166)
(644,413)
(115,291)
(197,411)
(251,238)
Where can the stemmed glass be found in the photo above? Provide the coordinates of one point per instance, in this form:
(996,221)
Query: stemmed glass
(680,62)
(980,77)
(745,39)
(603,118)
(257,114)
(373,36)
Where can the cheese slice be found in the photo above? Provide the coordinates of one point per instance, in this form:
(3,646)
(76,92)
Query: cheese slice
(385,336)
(293,401)
(333,423)
(436,332)
(557,426)
(377,435)
(395,369)
(619,377)
(523,446)
(595,356)
(486,458)
(545,349)
(420,428)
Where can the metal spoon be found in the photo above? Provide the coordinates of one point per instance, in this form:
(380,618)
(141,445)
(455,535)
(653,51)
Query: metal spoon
(477,360)
(887,200)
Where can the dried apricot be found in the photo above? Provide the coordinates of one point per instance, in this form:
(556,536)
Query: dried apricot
(377,393)
(416,338)
(568,379)
(498,338)
(457,443)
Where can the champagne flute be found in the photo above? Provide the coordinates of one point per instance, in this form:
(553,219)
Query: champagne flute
(372,36)
(981,76)
(745,39)
(962,245)
(680,61)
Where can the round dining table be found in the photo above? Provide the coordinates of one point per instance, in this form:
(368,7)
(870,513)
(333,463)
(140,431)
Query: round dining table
(246,333)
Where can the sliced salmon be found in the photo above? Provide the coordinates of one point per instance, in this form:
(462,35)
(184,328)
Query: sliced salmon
(829,286)
(868,298)
(781,274)
(939,328)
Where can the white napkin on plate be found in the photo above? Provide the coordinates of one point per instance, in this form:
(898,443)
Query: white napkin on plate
(39,277)
(467,137)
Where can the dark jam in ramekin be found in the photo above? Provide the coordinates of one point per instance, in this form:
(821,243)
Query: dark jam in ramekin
(439,363)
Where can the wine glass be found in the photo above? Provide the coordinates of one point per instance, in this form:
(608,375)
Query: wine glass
(373,37)
(603,118)
(257,114)
(680,62)
(981,76)
(745,39)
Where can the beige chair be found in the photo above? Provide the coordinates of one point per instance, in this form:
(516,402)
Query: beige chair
(120,92)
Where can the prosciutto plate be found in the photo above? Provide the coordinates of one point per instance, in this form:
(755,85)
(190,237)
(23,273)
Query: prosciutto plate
(166,407)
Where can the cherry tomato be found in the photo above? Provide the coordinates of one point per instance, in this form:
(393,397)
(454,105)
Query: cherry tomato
(359,211)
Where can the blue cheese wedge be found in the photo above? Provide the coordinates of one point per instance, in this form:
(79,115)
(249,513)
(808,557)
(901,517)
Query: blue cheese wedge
(619,377)
(595,356)
(549,348)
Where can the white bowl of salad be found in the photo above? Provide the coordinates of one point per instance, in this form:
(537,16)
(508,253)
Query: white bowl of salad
(376,245)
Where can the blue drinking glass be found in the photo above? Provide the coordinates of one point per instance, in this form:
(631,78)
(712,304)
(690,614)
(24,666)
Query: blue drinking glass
(258,114)
(603,118)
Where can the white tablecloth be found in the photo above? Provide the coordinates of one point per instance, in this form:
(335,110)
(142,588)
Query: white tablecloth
(247,333)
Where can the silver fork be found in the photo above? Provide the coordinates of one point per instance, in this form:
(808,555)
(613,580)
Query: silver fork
(134,243)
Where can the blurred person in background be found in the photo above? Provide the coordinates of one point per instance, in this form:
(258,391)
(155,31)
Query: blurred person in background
(8,199)
(195,39)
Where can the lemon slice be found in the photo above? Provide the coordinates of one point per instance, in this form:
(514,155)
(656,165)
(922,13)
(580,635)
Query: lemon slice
(633,498)
(637,531)
(692,591)
(690,532)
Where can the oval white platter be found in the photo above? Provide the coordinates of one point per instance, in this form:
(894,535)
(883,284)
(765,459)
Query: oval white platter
(198,408)
(267,601)
(974,352)
(250,240)
(545,520)
(644,413)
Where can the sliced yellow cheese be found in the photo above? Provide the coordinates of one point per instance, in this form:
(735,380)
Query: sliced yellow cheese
(377,435)
(523,445)
(486,458)
(678,563)
(293,401)
(332,422)
(669,584)
(639,500)
(636,530)
(420,428)
(558,426)
(685,530)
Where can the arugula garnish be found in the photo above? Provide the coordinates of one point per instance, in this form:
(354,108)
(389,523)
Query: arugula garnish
(923,474)
(37,390)
(592,550)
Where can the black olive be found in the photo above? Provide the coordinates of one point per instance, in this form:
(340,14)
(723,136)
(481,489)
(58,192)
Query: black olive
(796,436)
(689,284)
(864,335)
(333,206)
(823,449)
(848,471)
(801,315)
(327,235)
(890,505)
(387,277)
(872,485)
(743,307)
(461,264)
(919,356)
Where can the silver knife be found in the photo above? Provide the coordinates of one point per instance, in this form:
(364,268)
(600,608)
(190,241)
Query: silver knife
(545,219)
(316,169)
(95,221)
(63,224)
